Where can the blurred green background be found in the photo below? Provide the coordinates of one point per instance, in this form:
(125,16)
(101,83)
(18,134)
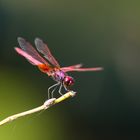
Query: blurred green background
(95,33)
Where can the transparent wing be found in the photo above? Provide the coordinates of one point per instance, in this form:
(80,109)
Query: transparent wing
(43,48)
(30,52)
(28,57)
(43,67)
(78,68)
(73,66)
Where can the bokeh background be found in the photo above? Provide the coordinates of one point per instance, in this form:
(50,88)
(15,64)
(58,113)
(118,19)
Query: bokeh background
(95,33)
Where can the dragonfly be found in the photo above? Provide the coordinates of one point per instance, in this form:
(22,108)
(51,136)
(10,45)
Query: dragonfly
(46,62)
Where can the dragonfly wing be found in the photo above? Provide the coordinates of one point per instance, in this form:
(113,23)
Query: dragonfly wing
(43,48)
(73,66)
(32,60)
(33,56)
(43,67)
(28,48)
(70,68)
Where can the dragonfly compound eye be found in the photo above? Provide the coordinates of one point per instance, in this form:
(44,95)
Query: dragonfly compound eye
(68,81)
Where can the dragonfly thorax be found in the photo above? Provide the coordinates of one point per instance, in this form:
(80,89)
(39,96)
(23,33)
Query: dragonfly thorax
(62,77)
(58,75)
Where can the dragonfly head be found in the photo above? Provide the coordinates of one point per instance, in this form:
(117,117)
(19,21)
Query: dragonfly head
(68,81)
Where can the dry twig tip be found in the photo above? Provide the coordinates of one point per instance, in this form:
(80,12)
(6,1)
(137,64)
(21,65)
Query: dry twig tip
(45,106)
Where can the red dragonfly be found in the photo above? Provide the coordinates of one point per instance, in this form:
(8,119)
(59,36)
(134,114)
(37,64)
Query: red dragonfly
(49,65)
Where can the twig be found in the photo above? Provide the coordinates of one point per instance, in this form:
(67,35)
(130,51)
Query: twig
(45,106)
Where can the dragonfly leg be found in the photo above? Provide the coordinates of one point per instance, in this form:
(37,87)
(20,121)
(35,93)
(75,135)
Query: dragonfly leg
(60,88)
(54,90)
(53,86)
(65,88)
